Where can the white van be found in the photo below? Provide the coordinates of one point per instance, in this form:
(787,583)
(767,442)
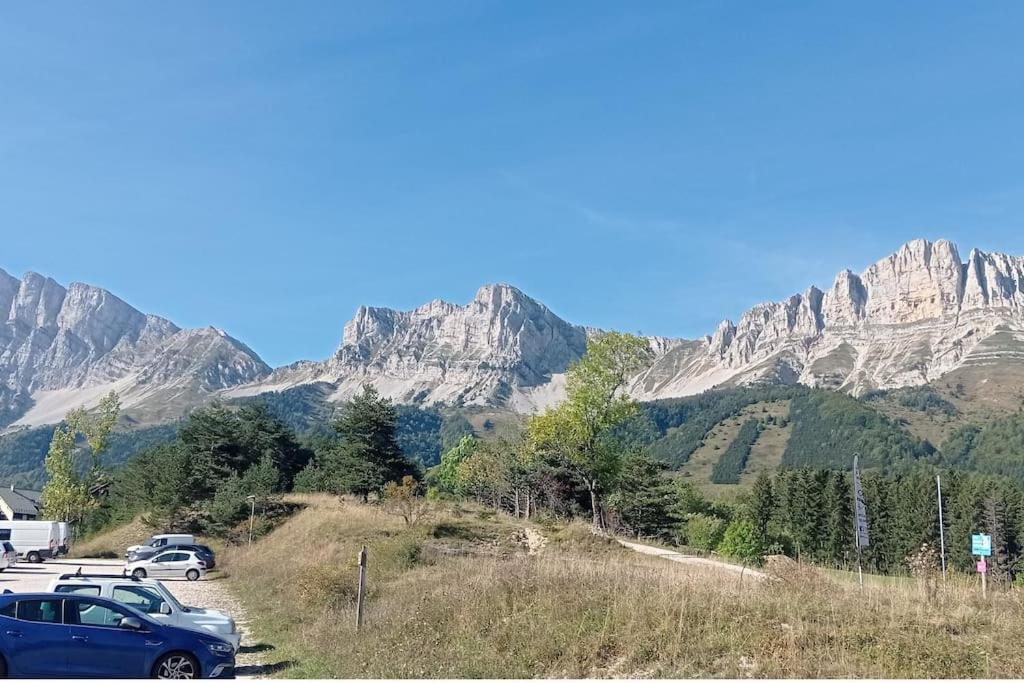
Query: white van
(64,544)
(34,540)
(154,543)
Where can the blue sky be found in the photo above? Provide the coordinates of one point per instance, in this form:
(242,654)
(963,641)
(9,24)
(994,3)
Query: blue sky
(653,167)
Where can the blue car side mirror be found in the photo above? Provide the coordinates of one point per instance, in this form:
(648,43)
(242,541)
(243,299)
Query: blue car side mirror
(131,623)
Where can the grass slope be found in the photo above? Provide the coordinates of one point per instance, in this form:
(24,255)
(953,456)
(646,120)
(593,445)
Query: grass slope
(461,597)
(766,453)
(700,467)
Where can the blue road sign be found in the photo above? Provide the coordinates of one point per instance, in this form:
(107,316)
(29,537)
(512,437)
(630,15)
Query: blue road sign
(981,544)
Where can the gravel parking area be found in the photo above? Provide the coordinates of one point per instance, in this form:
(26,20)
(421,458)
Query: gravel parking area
(210,593)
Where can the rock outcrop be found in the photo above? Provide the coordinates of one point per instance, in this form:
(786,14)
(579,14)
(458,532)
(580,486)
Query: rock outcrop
(908,319)
(63,347)
(502,348)
(911,318)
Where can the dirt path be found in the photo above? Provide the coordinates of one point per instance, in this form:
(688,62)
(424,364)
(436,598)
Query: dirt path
(674,556)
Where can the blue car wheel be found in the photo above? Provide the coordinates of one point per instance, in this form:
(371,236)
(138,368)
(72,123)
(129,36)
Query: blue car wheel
(176,665)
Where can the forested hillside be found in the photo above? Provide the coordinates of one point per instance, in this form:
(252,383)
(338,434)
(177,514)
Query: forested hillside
(22,452)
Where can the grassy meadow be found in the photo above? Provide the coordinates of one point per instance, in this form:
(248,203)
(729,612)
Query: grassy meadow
(471,594)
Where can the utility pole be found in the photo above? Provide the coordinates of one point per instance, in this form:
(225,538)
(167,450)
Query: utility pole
(942,530)
(252,515)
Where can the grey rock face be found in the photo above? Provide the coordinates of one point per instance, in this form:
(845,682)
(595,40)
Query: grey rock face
(63,346)
(908,319)
(501,348)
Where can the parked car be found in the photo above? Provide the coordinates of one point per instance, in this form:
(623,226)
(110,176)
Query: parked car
(152,599)
(8,555)
(202,551)
(174,564)
(160,541)
(55,635)
(34,540)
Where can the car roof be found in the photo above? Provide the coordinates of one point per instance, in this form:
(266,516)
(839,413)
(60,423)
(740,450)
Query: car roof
(168,551)
(105,579)
(17,597)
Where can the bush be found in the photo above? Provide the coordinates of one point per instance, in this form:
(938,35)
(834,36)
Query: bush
(322,585)
(740,541)
(704,532)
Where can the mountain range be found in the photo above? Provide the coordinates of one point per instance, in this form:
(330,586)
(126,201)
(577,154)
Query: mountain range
(920,315)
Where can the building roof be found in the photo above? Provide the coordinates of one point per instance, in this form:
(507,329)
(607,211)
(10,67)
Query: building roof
(20,501)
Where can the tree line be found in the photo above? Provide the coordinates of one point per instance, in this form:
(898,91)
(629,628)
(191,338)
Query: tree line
(580,458)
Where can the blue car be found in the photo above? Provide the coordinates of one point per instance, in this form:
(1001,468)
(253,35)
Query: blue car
(63,635)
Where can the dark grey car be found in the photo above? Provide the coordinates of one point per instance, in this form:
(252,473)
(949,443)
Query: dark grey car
(203,552)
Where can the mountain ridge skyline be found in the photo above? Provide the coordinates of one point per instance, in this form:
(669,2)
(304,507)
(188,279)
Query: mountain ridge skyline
(907,319)
(698,332)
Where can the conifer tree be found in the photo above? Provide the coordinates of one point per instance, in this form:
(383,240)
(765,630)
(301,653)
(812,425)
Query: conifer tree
(762,507)
(644,501)
(839,524)
(368,455)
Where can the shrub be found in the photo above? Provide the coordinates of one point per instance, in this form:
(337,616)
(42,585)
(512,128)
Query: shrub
(404,500)
(704,532)
(327,585)
(740,541)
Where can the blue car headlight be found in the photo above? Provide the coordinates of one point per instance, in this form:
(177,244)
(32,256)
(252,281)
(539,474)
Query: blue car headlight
(219,648)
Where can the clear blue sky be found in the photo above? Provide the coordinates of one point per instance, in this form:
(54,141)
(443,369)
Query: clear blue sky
(655,167)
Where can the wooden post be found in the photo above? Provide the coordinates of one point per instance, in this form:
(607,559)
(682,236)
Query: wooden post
(361,595)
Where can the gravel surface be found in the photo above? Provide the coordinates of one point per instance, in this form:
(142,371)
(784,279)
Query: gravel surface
(212,593)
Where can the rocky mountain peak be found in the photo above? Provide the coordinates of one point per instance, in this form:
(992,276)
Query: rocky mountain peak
(907,319)
(63,347)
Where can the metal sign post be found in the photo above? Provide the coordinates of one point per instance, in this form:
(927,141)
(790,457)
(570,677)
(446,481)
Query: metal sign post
(942,531)
(860,517)
(981,546)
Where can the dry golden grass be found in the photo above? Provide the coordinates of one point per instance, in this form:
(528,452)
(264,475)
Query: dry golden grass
(113,543)
(459,598)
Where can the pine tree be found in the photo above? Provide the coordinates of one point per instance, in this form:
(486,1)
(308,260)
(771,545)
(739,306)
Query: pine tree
(964,495)
(644,500)
(762,507)
(839,529)
(994,523)
(879,553)
(368,455)
(914,520)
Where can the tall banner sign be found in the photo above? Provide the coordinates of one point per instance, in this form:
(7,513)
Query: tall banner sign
(859,511)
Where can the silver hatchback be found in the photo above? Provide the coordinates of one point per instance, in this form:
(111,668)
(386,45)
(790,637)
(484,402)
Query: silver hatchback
(172,564)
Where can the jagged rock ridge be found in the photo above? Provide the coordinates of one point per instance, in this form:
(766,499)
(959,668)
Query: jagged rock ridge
(502,348)
(911,318)
(908,319)
(64,347)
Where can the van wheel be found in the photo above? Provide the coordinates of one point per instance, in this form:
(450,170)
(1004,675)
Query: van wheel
(139,573)
(3,668)
(192,575)
(34,557)
(176,665)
